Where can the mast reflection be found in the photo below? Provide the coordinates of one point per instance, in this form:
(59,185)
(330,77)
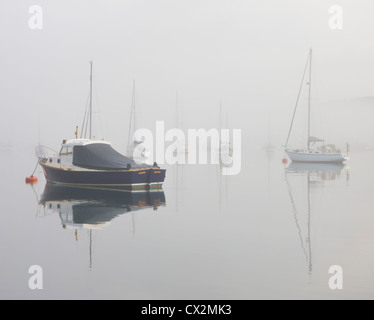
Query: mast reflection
(303,180)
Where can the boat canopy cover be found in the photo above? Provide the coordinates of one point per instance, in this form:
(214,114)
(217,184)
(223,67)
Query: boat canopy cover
(101,156)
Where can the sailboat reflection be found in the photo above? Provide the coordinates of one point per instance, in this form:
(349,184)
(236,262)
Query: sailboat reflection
(308,179)
(94,208)
(323,171)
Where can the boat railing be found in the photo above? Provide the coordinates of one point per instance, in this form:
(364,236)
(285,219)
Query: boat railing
(43,152)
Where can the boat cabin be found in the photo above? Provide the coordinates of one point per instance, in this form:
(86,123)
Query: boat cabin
(87,154)
(64,159)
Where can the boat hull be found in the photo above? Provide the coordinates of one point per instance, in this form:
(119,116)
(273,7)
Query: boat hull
(316,157)
(125,179)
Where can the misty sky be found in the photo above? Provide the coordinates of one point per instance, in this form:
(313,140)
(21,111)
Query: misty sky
(248,54)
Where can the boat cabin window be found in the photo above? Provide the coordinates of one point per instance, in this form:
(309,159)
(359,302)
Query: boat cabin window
(66,151)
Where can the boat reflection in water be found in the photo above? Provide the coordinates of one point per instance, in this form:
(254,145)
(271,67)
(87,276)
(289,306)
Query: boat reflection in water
(95,208)
(321,171)
(304,180)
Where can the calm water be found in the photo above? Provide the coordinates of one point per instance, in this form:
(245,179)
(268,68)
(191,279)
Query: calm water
(271,232)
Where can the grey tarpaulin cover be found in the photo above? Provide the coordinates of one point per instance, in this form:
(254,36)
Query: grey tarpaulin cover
(101,156)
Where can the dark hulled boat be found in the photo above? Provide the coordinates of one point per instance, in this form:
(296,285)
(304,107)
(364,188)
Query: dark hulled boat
(94,163)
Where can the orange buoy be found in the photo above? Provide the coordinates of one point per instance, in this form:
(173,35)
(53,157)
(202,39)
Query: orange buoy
(31,180)
(284,160)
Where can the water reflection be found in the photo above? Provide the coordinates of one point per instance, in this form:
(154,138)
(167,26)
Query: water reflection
(83,208)
(304,180)
(94,208)
(320,171)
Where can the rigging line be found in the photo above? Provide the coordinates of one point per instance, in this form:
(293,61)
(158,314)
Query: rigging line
(86,125)
(131,115)
(44,147)
(37,162)
(99,119)
(297,101)
(85,115)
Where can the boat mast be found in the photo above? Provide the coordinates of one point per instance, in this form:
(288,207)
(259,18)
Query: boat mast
(297,101)
(130,138)
(90,99)
(133,103)
(309,97)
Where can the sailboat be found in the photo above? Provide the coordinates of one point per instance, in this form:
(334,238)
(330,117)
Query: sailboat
(316,150)
(88,162)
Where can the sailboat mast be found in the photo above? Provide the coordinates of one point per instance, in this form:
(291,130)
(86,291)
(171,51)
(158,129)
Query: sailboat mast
(91,100)
(309,97)
(133,104)
(297,101)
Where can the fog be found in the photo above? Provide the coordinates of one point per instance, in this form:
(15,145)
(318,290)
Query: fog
(247,55)
(272,230)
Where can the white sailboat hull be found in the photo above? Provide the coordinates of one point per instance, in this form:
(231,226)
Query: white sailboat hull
(316,157)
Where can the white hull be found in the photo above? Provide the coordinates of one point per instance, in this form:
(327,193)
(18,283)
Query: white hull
(316,157)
